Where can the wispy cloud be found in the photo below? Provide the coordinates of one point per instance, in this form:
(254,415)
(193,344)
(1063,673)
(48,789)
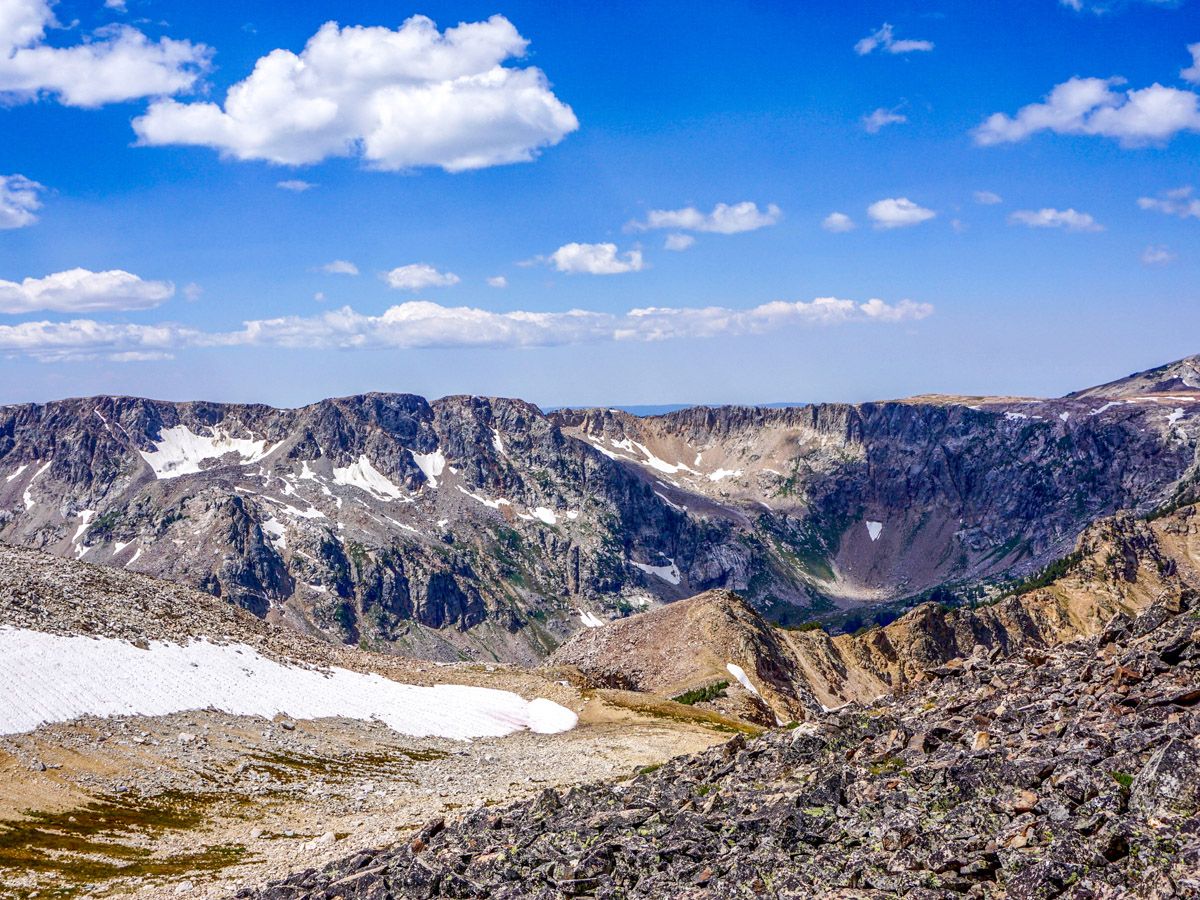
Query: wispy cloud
(1178,202)
(339,267)
(19,201)
(1157,255)
(988,198)
(881,118)
(295,185)
(421,324)
(885,39)
(1067,219)
(725,218)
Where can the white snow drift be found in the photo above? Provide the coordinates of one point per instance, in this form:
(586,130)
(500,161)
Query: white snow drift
(54,678)
(361,474)
(180,451)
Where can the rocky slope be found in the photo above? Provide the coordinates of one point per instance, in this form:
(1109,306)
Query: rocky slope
(1060,773)
(1121,565)
(483,528)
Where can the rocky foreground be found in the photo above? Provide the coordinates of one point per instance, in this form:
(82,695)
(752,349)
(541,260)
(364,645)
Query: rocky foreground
(1070,772)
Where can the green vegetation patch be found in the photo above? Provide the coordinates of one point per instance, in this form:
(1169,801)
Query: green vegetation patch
(703,694)
(105,839)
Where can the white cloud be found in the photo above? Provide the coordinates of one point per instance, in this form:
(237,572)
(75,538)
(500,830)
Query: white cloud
(421,324)
(295,185)
(80,290)
(881,118)
(418,276)
(340,267)
(19,201)
(400,99)
(725,218)
(1090,106)
(1103,7)
(1178,202)
(677,242)
(1157,255)
(497,281)
(116,63)
(898,212)
(988,198)
(838,223)
(885,39)
(319,296)
(192,291)
(117,5)
(1192,72)
(1067,219)
(595,259)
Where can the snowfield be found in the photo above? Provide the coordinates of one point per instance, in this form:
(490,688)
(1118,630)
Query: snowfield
(364,476)
(54,678)
(668,573)
(180,451)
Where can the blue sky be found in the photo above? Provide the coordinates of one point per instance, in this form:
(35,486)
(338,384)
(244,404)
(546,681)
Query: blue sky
(142,223)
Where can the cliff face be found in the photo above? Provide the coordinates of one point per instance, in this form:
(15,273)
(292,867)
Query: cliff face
(483,527)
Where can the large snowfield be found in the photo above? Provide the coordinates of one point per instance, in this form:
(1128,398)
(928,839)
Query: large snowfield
(48,678)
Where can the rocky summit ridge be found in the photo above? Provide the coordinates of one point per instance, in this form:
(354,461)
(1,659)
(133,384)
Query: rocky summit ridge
(483,528)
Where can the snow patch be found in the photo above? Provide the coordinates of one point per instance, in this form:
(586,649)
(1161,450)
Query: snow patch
(17,474)
(1175,416)
(498,443)
(30,503)
(1064,416)
(490,504)
(874,529)
(55,678)
(740,674)
(725,473)
(1015,417)
(361,474)
(588,620)
(544,514)
(669,573)
(274,530)
(180,451)
(431,464)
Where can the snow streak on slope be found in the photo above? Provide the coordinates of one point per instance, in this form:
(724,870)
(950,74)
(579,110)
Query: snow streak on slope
(431,464)
(55,678)
(668,573)
(361,474)
(180,451)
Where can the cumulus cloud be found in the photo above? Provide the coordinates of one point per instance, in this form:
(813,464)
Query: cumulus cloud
(116,63)
(1192,72)
(295,185)
(497,281)
(838,223)
(1067,219)
(881,118)
(19,201)
(340,267)
(678,242)
(80,290)
(421,324)
(595,259)
(725,218)
(898,212)
(1091,106)
(418,276)
(885,39)
(401,99)
(1157,255)
(1178,202)
(988,198)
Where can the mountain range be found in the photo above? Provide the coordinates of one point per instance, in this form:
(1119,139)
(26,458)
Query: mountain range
(484,528)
